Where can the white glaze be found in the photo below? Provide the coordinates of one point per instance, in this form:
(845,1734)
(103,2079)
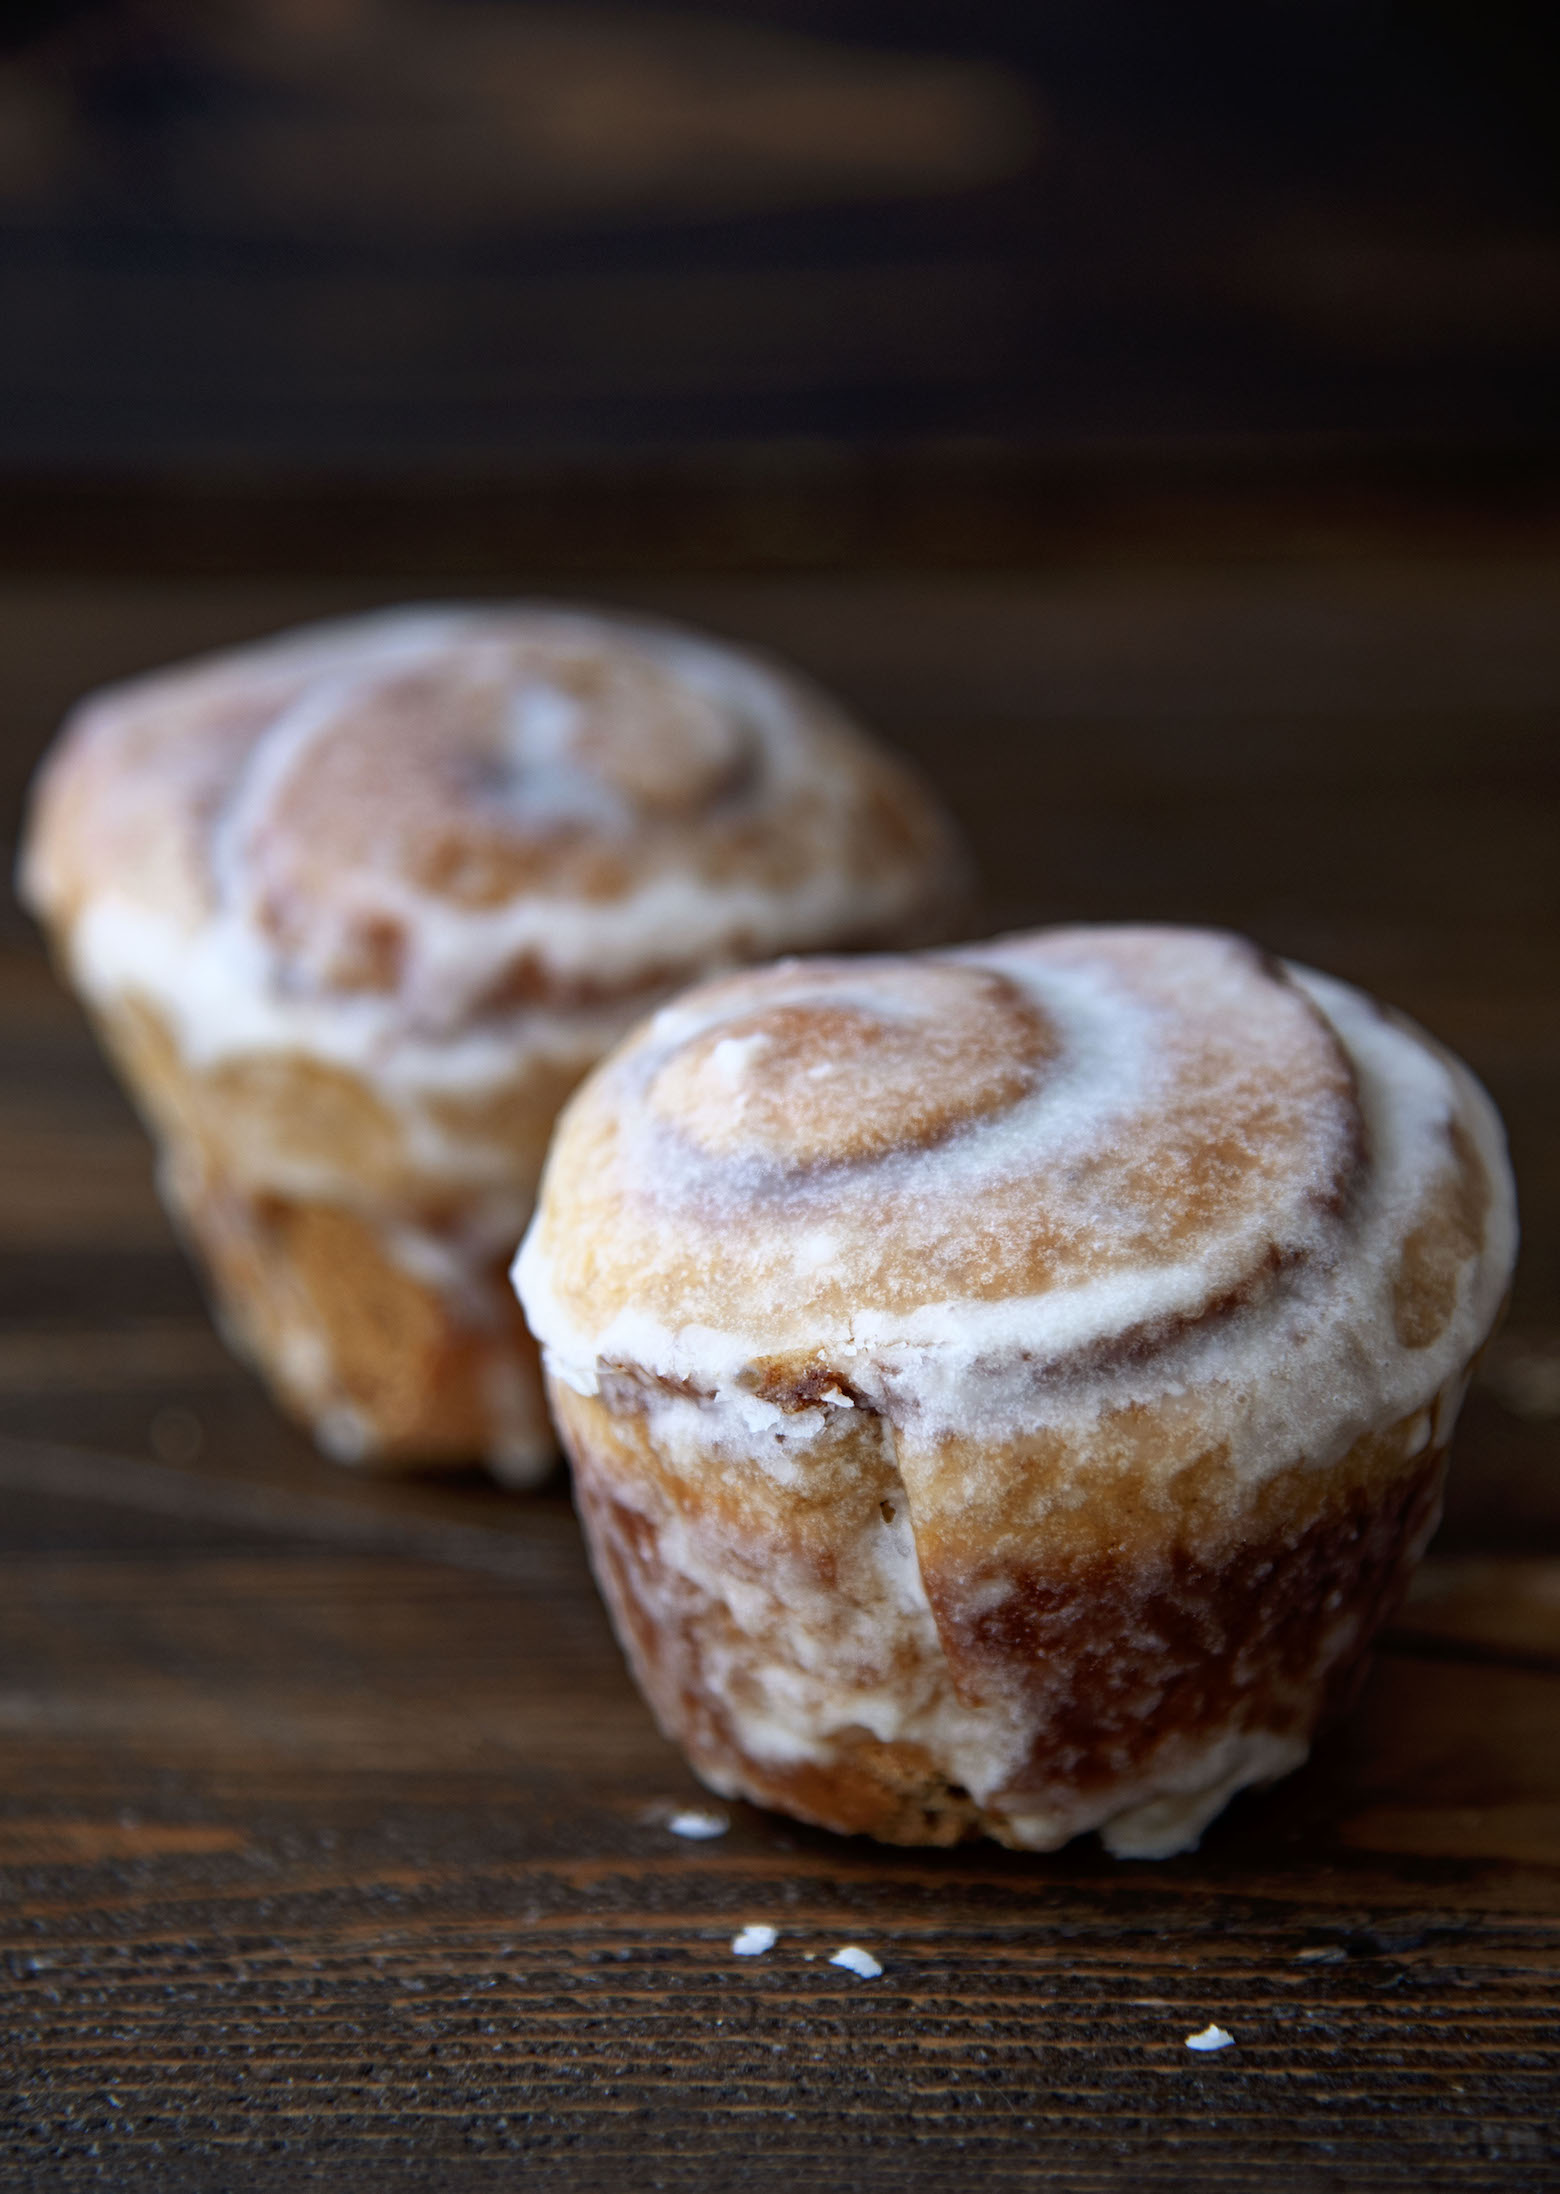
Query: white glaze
(227,989)
(813,1664)
(1304,1373)
(1297,1368)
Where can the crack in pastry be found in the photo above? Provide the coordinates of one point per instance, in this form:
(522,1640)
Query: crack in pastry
(357,907)
(1008,1388)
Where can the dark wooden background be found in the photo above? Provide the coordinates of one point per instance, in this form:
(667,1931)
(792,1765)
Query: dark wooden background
(445,234)
(332,1834)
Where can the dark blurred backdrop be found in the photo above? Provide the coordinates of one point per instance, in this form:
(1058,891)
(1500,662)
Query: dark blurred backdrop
(466,236)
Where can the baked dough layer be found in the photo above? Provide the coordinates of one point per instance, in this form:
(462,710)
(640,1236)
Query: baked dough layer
(357,907)
(1008,1387)
(1168,1648)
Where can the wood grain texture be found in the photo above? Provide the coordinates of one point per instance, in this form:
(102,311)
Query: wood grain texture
(334,1844)
(403,235)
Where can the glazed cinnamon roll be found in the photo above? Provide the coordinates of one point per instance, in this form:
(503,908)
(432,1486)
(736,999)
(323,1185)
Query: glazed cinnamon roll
(1008,1388)
(356,908)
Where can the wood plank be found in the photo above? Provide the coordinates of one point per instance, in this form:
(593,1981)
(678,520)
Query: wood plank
(334,1842)
(368,1857)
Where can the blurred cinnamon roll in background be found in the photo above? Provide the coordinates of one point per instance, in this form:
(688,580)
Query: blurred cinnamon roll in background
(355,909)
(1008,1388)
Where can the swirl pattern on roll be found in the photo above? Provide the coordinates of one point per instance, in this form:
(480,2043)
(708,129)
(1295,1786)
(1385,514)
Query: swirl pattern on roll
(1007,1388)
(1020,1177)
(357,908)
(439,816)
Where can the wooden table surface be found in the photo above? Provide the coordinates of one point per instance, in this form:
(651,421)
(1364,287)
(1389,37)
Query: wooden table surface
(333,1837)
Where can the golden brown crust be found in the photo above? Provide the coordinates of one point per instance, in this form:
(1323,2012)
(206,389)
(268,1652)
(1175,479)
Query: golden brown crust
(1152,1622)
(358,907)
(1437,1251)
(381,1364)
(1007,1388)
(792,1098)
(270,1116)
(353,790)
(389,1366)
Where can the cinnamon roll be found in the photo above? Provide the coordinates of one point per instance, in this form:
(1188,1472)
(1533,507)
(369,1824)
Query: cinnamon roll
(356,908)
(1007,1388)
